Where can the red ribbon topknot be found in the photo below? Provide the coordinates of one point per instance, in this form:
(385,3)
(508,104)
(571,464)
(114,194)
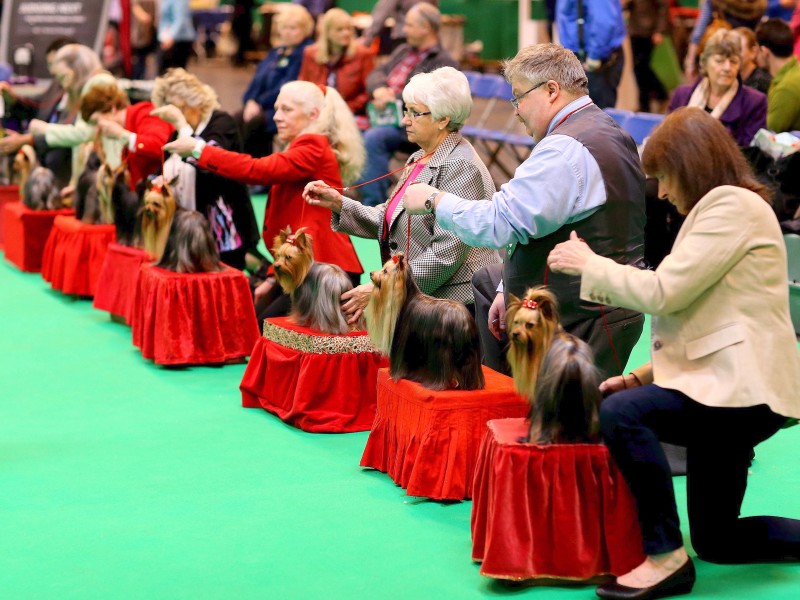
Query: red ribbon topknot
(530,304)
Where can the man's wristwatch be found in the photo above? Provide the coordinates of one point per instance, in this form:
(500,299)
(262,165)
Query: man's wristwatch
(430,206)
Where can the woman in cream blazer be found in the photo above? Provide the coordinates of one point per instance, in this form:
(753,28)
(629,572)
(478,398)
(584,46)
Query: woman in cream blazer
(724,373)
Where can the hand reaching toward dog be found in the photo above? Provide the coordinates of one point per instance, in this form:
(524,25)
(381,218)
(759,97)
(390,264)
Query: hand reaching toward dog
(497,317)
(612,385)
(264,289)
(38,127)
(570,257)
(319,193)
(113,130)
(355,301)
(182,147)
(172,115)
(13,141)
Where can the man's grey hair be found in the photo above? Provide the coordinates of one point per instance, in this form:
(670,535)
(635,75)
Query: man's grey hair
(543,62)
(429,13)
(445,91)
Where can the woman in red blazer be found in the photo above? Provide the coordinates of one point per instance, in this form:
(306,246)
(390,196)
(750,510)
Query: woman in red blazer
(306,118)
(338,61)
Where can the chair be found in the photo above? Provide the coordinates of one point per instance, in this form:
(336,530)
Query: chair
(793,260)
(317,382)
(620,116)
(557,511)
(639,125)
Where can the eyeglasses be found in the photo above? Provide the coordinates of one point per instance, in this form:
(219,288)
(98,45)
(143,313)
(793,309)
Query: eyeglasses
(412,114)
(515,100)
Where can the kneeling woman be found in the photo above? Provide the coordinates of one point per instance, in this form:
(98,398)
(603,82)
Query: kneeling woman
(323,142)
(724,370)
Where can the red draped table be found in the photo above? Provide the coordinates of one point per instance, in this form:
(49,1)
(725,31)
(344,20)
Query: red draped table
(198,318)
(74,254)
(317,382)
(26,233)
(9,194)
(554,511)
(428,441)
(116,287)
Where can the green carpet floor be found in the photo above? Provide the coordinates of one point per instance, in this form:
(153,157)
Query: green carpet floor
(120,479)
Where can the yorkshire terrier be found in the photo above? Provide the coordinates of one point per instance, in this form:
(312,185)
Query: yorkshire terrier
(87,195)
(158,210)
(428,340)
(40,191)
(566,402)
(126,208)
(531,324)
(315,288)
(106,180)
(25,161)
(190,246)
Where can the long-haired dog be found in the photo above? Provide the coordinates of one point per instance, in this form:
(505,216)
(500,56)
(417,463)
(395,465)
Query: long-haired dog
(531,322)
(126,207)
(41,190)
(158,210)
(428,340)
(87,196)
(25,161)
(190,246)
(566,402)
(106,180)
(315,288)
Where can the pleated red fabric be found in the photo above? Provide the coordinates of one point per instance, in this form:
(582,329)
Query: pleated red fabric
(198,318)
(9,194)
(116,287)
(26,233)
(73,255)
(314,381)
(428,441)
(558,511)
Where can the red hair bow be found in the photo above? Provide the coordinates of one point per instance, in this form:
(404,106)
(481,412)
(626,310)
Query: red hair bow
(530,304)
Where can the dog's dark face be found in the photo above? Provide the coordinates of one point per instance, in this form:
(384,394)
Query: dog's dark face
(293,258)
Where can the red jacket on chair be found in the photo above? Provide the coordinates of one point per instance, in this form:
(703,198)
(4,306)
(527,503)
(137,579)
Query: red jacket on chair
(307,158)
(351,74)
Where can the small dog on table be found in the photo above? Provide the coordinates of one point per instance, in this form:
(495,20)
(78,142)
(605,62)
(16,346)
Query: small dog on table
(25,161)
(531,322)
(428,340)
(190,246)
(315,288)
(40,191)
(87,194)
(566,402)
(158,210)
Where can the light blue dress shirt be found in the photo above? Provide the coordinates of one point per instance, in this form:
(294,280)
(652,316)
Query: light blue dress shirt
(559,183)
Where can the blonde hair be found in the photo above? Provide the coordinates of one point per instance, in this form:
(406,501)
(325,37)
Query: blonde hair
(333,18)
(335,122)
(177,85)
(298,14)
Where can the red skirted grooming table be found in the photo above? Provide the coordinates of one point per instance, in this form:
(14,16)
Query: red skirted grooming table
(116,287)
(8,194)
(26,233)
(428,441)
(74,254)
(315,381)
(198,318)
(556,511)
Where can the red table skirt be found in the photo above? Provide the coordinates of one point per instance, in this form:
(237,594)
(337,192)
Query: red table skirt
(317,382)
(428,441)
(26,233)
(74,253)
(8,194)
(555,511)
(116,287)
(199,318)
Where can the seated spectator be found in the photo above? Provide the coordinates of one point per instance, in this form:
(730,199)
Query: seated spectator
(422,53)
(282,64)
(77,69)
(397,10)
(323,142)
(720,92)
(142,135)
(775,54)
(751,74)
(192,108)
(437,105)
(336,60)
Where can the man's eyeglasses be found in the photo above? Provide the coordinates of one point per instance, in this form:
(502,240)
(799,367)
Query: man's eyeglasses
(412,114)
(515,100)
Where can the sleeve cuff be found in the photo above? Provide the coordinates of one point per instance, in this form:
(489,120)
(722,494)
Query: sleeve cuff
(197,151)
(444,210)
(132,143)
(185,132)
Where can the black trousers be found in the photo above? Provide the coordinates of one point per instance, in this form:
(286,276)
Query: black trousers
(649,84)
(719,442)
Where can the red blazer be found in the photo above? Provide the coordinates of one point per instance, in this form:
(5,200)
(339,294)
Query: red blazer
(307,158)
(151,135)
(351,74)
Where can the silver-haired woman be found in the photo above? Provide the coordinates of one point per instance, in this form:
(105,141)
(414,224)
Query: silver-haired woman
(437,105)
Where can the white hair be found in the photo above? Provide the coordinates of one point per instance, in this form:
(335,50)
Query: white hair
(445,92)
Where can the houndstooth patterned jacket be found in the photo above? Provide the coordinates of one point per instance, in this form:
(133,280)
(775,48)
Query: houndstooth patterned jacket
(442,264)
